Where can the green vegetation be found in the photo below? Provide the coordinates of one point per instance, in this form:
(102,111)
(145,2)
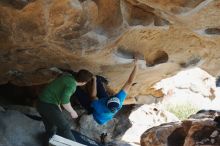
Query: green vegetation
(182,111)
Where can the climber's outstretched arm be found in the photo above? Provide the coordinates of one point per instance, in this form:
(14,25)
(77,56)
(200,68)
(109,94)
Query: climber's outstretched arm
(131,78)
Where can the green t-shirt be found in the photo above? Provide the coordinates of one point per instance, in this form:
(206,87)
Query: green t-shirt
(59,90)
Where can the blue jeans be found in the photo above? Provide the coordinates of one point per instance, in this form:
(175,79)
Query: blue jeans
(83,96)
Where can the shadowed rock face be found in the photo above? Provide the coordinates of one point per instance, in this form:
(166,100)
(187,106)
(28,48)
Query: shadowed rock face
(18,4)
(16,95)
(22,130)
(37,35)
(156,58)
(177,137)
(213,31)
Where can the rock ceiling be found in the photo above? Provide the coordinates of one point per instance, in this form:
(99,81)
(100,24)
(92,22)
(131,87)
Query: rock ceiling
(102,36)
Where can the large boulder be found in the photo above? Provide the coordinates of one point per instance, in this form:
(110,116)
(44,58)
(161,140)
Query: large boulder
(19,129)
(199,131)
(115,128)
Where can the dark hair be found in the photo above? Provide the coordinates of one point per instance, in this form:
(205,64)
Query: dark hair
(82,75)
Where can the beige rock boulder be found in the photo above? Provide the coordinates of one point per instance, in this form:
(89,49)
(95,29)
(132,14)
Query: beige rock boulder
(103,36)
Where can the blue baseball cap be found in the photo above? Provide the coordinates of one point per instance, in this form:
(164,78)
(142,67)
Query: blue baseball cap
(113,104)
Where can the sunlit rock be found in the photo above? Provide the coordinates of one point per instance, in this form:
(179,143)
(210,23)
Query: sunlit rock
(188,87)
(146,117)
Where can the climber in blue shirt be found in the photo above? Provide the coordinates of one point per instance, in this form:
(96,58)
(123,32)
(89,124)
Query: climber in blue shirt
(97,101)
(105,108)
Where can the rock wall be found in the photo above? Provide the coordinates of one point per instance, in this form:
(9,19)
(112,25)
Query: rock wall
(103,35)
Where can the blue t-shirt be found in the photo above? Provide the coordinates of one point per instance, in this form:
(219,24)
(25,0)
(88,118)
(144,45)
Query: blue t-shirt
(101,113)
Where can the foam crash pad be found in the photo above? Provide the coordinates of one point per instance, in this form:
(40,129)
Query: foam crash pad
(57,140)
(80,140)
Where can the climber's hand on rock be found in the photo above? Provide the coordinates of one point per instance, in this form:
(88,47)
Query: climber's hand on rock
(74,115)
